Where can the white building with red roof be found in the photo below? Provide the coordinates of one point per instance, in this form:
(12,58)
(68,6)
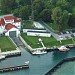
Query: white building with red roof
(2,26)
(8,19)
(11,30)
(17,22)
(13,20)
(10,25)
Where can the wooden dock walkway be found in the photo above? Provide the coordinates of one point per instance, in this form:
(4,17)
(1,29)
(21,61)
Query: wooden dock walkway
(14,68)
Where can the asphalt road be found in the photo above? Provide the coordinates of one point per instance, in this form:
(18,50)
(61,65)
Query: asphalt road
(56,36)
(17,41)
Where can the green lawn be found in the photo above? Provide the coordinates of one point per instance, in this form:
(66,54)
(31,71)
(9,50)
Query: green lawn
(68,41)
(56,27)
(48,41)
(27,24)
(6,44)
(32,41)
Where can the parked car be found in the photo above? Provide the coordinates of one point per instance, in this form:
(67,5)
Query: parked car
(64,32)
(73,31)
(61,38)
(67,32)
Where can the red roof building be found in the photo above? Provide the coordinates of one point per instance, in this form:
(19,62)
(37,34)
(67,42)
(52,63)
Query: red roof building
(12,18)
(9,26)
(2,22)
(9,17)
(16,19)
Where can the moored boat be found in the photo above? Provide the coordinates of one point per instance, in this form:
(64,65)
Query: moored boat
(38,52)
(2,57)
(63,49)
(27,63)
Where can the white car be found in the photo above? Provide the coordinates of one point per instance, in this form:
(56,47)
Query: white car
(60,37)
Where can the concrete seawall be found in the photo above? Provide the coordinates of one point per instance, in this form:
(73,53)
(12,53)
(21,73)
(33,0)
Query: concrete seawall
(11,53)
(30,48)
(24,42)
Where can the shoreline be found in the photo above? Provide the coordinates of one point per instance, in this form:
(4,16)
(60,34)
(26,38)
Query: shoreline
(11,53)
(43,48)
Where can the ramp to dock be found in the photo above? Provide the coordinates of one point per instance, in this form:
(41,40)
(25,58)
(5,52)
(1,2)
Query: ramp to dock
(17,41)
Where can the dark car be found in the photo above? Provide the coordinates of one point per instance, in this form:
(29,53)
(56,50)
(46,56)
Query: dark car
(73,31)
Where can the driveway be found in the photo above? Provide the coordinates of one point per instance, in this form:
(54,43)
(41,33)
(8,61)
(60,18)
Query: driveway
(17,41)
(56,36)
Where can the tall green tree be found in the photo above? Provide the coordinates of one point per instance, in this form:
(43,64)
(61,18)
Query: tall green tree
(71,21)
(24,2)
(7,6)
(60,17)
(46,15)
(16,12)
(49,4)
(25,12)
(65,17)
(64,4)
(37,7)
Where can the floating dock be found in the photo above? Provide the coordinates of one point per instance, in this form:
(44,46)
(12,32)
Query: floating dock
(25,66)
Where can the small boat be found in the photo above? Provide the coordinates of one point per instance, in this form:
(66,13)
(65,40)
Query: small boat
(63,49)
(2,57)
(27,63)
(38,52)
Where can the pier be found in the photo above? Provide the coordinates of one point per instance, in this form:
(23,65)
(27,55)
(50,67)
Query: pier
(11,53)
(25,66)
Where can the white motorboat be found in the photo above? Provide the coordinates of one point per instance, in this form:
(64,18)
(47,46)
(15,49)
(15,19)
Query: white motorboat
(2,57)
(27,63)
(63,49)
(38,52)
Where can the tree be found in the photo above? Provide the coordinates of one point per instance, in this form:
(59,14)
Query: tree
(16,12)
(60,17)
(37,7)
(45,15)
(65,17)
(49,4)
(24,12)
(8,5)
(72,2)
(56,14)
(24,2)
(64,4)
(71,21)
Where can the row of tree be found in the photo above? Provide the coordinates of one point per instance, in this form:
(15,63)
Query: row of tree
(61,12)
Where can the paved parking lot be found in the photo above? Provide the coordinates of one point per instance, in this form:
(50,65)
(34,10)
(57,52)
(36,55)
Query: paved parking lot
(62,36)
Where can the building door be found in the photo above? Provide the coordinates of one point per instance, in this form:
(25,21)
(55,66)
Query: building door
(12,33)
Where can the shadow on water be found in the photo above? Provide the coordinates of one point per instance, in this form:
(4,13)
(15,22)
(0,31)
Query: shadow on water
(57,55)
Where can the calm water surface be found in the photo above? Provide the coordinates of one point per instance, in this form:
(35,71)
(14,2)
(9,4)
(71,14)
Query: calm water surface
(67,68)
(39,64)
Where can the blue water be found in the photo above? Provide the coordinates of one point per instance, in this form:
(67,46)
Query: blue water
(67,68)
(39,65)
